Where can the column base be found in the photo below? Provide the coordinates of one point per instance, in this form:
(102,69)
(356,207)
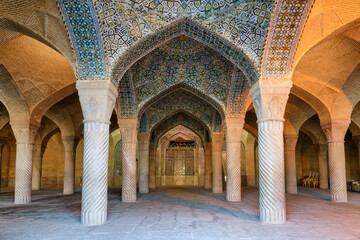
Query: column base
(217,190)
(68,191)
(22,199)
(272,217)
(324,185)
(90,218)
(339,199)
(292,190)
(233,198)
(163,180)
(129,198)
(143,190)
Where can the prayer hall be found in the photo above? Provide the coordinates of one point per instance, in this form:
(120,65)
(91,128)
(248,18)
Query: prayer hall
(179,119)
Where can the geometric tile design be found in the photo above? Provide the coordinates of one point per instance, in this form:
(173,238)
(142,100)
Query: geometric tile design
(195,31)
(179,162)
(144,123)
(243,23)
(238,93)
(85,36)
(126,101)
(286,27)
(182,60)
(217,126)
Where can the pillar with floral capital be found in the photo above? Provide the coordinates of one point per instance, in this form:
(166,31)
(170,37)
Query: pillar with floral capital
(269,98)
(25,135)
(97,99)
(335,134)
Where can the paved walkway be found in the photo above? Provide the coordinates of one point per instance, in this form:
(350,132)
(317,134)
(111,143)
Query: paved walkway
(180,214)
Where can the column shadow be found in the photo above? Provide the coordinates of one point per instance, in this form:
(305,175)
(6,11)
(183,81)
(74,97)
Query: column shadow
(313,193)
(157,197)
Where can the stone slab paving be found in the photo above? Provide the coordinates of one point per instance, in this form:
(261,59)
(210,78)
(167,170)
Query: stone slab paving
(180,213)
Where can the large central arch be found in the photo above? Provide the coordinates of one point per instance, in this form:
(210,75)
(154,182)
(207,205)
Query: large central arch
(193,30)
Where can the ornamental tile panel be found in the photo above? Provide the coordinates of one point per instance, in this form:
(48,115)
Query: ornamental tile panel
(182,60)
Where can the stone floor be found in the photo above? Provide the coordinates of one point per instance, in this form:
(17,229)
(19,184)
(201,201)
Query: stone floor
(180,213)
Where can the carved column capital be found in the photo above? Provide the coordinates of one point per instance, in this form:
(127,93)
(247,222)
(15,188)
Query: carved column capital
(270,97)
(290,142)
(217,139)
(128,129)
(234,126)
(336,130)
(69,143)
(24,132)
(97,99)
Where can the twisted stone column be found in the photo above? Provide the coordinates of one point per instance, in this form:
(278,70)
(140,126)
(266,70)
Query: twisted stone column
(25,135)
(290,163)
(269,98)
(129,130)
(97,99)
(335,134)
(217,139)
(36,169)
(234,128)
(323,166)
(143,140)
(208,166)
(250,161)
(152,167)
(69,164)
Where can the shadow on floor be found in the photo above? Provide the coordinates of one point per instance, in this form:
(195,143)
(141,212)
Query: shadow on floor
(313,193)
(157,197)
(207,194)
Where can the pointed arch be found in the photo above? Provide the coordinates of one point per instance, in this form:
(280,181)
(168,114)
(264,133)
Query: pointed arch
(12,97)
(187,88)
(193,30)
(181,118)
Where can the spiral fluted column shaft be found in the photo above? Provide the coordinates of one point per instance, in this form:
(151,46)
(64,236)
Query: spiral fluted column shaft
(23,179)
(143,140)
(208,166)
(69,172)
(291,182)
(36,172)
(216,147)
(234,126)
(233,171)
(338,191)
(290,163)
(95,171)
(129,172)
(271,172)
(323,166)
(69,165)
(152,166)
